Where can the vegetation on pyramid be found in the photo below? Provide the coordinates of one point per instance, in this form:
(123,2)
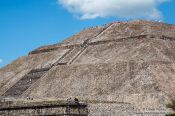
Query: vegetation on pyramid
(171,106)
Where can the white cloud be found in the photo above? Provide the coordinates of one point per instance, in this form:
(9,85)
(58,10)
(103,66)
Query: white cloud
(1,60)
(131,9)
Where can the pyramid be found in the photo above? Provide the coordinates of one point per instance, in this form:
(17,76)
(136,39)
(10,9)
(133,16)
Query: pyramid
(118,69)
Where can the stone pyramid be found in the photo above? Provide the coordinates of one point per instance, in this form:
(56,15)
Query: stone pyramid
(119,69)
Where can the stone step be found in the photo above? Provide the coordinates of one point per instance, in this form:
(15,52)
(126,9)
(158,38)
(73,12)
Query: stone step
(81,51)
(23,84)
(35,75)
(40,70)
(69,56)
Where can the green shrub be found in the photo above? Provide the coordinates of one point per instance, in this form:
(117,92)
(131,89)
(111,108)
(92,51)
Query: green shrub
(172,106)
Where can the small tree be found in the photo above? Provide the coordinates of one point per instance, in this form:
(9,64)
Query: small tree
(172,106)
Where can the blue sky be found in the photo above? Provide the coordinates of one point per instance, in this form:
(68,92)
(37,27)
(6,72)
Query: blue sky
(28,24)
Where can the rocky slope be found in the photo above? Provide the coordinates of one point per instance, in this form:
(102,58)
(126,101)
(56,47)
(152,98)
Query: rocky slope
(130,62)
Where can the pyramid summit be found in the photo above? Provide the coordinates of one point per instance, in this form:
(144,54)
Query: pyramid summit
(118,69)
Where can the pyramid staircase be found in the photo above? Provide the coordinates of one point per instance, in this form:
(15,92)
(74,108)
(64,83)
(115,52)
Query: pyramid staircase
(34,75)
(68,57)
(23,84)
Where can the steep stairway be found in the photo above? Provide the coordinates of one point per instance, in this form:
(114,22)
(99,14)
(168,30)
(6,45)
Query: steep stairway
(77,55)
(23,84)
(69,56)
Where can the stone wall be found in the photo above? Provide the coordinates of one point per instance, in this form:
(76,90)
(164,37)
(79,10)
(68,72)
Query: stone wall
(21,108)
(90,108)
